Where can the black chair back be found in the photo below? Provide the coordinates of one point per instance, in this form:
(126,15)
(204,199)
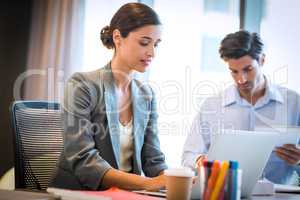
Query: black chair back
(38,142)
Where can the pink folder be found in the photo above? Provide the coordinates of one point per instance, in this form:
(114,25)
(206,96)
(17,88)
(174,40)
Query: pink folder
(118,194)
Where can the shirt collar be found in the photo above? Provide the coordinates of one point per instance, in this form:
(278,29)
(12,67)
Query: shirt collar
(273,93)
(231,94)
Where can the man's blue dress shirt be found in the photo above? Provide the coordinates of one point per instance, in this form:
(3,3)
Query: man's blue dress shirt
(228,110)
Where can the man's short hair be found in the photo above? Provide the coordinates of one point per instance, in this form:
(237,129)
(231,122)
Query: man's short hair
(241,43)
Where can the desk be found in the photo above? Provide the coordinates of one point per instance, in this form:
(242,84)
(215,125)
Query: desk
(25,195)
(278,196)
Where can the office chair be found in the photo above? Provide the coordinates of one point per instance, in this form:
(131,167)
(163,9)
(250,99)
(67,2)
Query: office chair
(37,141)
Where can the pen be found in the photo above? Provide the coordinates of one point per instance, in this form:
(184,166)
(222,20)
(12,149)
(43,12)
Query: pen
(234,180)
(220,181)
(212,179)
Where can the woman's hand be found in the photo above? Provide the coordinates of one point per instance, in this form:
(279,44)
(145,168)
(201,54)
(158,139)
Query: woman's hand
(128,181)
(156,183)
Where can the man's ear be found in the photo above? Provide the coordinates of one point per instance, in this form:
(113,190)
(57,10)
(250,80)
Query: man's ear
(262,59)
(116,35)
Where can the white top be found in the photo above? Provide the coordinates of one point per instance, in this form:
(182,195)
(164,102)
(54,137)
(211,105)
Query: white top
(126,146)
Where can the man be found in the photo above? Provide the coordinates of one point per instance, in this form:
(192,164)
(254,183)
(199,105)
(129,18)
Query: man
(250,103)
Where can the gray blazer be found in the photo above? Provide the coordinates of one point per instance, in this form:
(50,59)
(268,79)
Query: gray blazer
(91,131)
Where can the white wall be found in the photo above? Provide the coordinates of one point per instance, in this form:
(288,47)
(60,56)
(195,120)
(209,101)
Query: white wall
(98,14)
(280,30)
(176,73)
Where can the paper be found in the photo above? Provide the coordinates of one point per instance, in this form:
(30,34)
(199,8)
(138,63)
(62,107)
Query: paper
(287,188)
(263,187)
(287,135)
(74,195)
(288,138)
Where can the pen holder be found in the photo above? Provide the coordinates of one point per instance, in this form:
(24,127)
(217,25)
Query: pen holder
(220,180)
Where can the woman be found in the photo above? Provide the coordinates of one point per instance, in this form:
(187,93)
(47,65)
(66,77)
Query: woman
(110,119)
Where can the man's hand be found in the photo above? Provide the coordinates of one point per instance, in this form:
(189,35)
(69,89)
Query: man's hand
(289,153)
(199,161)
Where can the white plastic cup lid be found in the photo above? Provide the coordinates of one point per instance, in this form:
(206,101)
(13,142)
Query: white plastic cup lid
(180,172)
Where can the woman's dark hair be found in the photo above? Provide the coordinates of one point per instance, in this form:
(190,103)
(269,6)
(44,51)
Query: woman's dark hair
(241,43)
(128,18)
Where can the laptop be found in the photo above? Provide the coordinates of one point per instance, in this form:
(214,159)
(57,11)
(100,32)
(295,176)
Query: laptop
(250,148)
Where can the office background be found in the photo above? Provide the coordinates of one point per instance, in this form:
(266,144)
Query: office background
(186,69)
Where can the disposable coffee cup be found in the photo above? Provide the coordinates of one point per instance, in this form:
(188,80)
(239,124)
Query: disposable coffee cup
(179,183)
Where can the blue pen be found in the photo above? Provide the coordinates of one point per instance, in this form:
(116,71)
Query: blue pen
(234,165)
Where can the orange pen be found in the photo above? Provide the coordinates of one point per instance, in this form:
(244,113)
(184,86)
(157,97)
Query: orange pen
(212,179)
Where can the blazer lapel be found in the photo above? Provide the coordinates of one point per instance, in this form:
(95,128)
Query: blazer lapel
(112,112)
(141,112)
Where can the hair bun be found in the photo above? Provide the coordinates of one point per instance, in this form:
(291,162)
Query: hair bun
(106,37)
